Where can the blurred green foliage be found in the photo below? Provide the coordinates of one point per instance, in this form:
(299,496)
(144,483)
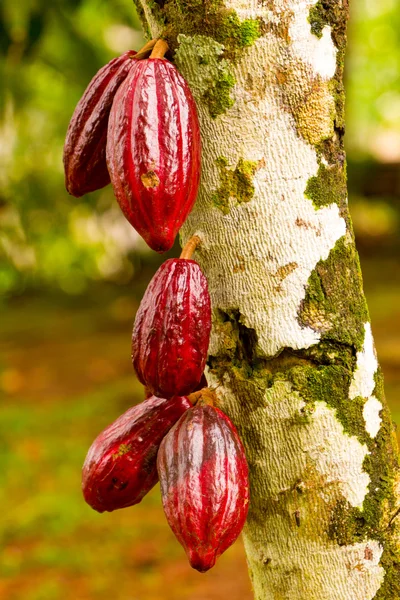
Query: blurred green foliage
(372,76)
(49,51)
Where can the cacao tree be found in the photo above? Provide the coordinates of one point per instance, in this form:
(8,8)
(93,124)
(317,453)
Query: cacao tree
(292,354)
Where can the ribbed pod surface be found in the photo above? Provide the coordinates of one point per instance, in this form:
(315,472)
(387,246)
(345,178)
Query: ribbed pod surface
(120,467)
(204,483)
(172,329)
(85,144)
(153,151)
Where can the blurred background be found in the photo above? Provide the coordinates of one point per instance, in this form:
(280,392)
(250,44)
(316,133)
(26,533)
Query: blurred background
(72,273)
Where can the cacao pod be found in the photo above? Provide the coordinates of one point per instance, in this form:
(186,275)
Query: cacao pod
(153,151)
(204,483)
(85,144)
(172,329)
(120,467)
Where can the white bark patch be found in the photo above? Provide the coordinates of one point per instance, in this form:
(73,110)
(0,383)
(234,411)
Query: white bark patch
(319,53)
(371,414)
(250,9)
(337,456)
(363,383)
(279,226)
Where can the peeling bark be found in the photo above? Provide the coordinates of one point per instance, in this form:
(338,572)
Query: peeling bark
(292,354)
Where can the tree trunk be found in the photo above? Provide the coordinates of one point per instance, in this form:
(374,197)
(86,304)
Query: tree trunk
(292,354)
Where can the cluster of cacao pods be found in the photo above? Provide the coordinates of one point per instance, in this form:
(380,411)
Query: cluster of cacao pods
(136,125)
(197,455)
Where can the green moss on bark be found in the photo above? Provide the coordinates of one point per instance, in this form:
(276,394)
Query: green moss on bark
(249,32)
(156,9)
(328,186)
(218,96)
(331,384)
(209,18)
(334,303)
(236,183)
(346,524)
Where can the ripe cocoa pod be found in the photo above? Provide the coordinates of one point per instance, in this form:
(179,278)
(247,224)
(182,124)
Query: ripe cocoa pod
(153,151)
(85,144)
(172,329)
(204,483)
(120,467)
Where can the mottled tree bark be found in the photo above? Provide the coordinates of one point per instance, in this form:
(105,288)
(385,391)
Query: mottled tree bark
(292,353)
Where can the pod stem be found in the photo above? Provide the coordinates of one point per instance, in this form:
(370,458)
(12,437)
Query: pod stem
(204,396)
(190,247)
(159,50)
(145,51)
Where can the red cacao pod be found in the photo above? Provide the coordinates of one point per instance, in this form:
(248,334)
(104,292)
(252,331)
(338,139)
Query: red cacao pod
(153,151)
(172,329)
(120,467)
(204,483)
(85,144)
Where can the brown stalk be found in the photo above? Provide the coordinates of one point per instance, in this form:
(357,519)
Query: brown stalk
(190,247)
(159,50)
(146,50)
(204,396)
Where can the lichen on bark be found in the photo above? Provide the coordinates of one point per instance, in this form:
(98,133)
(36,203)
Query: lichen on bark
(218,95)
(215,78)
(236,184)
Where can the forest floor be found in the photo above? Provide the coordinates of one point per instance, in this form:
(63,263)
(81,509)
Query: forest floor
(65,373)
